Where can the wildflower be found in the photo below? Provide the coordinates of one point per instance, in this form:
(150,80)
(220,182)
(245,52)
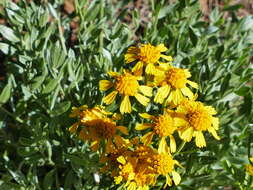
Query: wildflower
(84,114)
(195,119)
(134,173)
(110,160)
(172,85)
(249,167)
(147,56)
(163,164)
(163,126)
(96,130)
(125,85)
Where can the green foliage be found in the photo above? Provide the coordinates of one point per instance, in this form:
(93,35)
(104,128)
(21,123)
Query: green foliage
(46,75)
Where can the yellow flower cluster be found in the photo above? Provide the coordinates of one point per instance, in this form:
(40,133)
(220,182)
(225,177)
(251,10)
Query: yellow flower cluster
(249,167)
(150,77)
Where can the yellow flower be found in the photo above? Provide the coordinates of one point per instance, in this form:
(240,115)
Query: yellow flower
(105,129)
(173,86)
(83,113)
(125,85)
(134,173)
(249,167)
(147,56)
(163,126)
(163,164)
(195,118)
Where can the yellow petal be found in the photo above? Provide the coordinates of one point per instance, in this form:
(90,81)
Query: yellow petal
(147,138)
(163,147)
(138,66)
(200,139)
(142,126)
(105,85)
(125,106)
(121,160)
(168,181)
(142,99)
(167,58)
(214,133)
(146,116)
(187,134)
(187,92)
(161,48)
(251,159)
(173,146)
(123,129)
(118,179)
(113,74)
(210,110)
(161,94)
(176,177)
(129,58)
(146,90)
(177,96)
(193,84)
(150,69)
(94,145)
(110,97)
(215,122)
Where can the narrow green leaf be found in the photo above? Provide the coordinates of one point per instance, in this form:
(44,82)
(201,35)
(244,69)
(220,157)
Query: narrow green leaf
(6,93)
(8,33)
(61,108)
(48,180)
(50,86)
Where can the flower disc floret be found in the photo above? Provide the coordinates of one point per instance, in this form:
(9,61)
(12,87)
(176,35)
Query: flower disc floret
(164,125)
(172,86)
(162,164)
(195,118)
(126,85)
(176,77)
(147,56)
(104,128)
(200,120)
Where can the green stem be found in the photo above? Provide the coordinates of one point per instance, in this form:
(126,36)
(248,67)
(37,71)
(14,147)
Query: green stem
(180,147)
(12,115)
(62,40)
(101,36)
(249,143)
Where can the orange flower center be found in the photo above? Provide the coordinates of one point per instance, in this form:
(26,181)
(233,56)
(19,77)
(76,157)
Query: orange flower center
(143,152)
(102,128)
(127,84)
(164,126)
(200,120)
(162,164)
(176,78)
(148,54)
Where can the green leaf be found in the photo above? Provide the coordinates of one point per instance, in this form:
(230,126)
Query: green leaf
(61,108)
(193,36)
(243,91)
(7,49)
(48,180)
(6,93)
(232,7)
(8,33)
(50,86)
(247,23)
